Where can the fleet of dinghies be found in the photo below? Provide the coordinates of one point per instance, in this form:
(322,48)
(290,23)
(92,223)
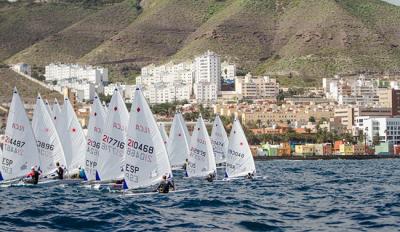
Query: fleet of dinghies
(120,146)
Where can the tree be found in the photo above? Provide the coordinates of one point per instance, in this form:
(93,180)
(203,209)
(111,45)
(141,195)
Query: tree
(376,139)
(311,119)
(105,98)
(259,123)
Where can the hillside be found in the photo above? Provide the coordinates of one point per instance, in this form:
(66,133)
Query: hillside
(309,39)
(27,89)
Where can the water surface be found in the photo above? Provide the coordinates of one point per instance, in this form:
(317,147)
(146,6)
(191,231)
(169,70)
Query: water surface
(329,195)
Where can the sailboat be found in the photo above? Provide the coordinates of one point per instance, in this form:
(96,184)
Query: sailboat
(185,129)
(72,138)
(163,132)
(201,160)
(146,159)
(48,141)
(219,141)
(113,140)
(19,149)
(178,145)
(95,130)
(239,160)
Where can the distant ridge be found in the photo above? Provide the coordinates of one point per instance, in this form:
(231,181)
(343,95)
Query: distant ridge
(289,38)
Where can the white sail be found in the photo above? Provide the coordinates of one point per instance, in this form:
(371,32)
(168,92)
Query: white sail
(163,132)
(56,116)
(112,147)
(182,120)
(48,141)
(95,131)
(146,159)
(72,138)
(201,158)
(178,145)
(239,160)
(219,141)
(56,107)
(19,149)
(48,107)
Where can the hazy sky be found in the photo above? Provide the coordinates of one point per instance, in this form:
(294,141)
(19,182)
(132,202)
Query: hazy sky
(396,2)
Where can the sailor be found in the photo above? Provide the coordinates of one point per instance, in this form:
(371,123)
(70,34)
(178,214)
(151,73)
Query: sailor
(34,175)
(185,164)
(82,174)
(250,176)
(59,171)
(164,185)
(210,177)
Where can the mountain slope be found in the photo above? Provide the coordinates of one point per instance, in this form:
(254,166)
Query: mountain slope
(80,38)
(156,34)
(308,39)
(22,25)
(28,89)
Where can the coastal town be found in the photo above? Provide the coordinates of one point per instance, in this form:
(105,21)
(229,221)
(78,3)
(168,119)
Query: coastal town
(345,115)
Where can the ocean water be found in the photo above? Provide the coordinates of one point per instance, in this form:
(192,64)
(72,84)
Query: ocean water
(330,195)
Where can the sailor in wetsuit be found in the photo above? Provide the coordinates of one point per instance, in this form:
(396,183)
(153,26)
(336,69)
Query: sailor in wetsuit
(164,185)
(210,177)
(34,176)
(250,176)
(185,164)
(59,171)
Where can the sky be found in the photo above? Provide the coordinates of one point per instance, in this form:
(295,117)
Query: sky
(396,2)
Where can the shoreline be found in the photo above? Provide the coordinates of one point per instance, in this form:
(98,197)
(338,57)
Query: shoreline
(326,157)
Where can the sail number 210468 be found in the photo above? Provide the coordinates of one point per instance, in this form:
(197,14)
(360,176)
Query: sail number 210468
(143,147)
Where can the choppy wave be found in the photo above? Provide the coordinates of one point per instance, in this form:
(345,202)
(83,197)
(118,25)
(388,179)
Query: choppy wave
(296,196)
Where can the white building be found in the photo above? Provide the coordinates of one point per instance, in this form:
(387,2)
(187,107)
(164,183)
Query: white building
(360,91)
(95,75)
(22,68)
(207,68)
(167,83)
(250,87)
(388,129)
(163,92)
(206,92)
(84,90)
(228,71)
(170,82)
(207,72)
(126,90)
